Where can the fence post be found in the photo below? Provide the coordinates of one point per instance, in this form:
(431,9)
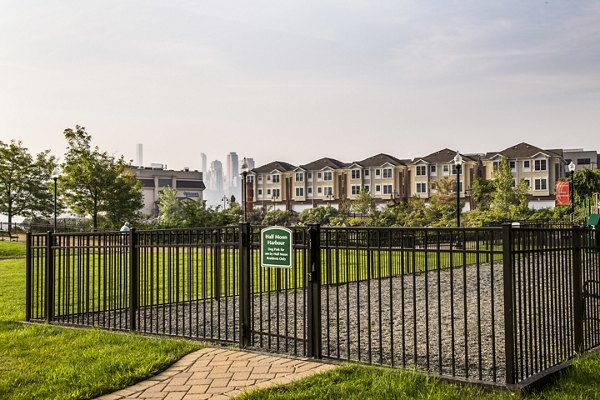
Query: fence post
(134,273)
(314,293)
(28,276)
(217,264)
(49,277)
(509,303)
(244,309)
(577,290)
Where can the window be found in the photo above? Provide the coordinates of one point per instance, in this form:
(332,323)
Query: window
(366,173)
(309,191)
(446,170)
(496,165)
(319,176)
(162,182)
(527,183)
(268,178)
(299,192)
(387,173)
(299,177)
(328,191)
(146,182)
(260,179)
(526,165)
(421,170)
(260,192)
(513,183)
(250,178)
(319,190)
(268,192)
(433,170)
(512,165)
(355,189)
(356,174)
(378,173)
(275,178)
(327,176)
(276,193)
(584,161)
(377,188)
(541,184)
(367,188)
(540,165)
(454,169)
(421,187)
(181,183)
(309,176)
(387,189)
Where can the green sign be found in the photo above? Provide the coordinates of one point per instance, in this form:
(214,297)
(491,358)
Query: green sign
(276,247)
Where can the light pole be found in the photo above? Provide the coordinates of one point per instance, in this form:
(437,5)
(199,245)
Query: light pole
(244,189)
(224,199)
(55,175)
(571,190)
(458,165)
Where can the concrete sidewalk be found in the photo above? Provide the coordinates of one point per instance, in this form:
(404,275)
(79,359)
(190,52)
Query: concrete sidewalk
(215,373)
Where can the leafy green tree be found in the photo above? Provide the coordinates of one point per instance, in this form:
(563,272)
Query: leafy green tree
(95,182)
(169,208)
(481,192)
(279,217)
(364,203)
(25,181)
(586,182)
(318,215)
(442,204)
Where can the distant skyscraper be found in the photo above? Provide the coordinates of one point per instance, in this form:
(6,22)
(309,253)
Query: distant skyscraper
(250,162)
(203,163)
(216,176)
(140,155)
(232,170)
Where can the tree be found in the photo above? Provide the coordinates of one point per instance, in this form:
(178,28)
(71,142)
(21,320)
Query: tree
(318,215)
(95,182)
(442,204)
(24,181)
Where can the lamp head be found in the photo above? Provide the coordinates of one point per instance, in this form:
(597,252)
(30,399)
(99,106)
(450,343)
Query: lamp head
(55,173)
(244,166)
(458,160)
(571,167)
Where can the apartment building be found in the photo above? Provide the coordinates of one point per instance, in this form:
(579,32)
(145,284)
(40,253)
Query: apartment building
(583,159)
(154,179)
(426,171)
(387,178)
(540,169)
(270,184)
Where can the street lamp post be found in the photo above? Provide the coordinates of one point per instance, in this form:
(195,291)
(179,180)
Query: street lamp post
(224,199)
(571,190)
(458,165)
(244,189)
(55,175)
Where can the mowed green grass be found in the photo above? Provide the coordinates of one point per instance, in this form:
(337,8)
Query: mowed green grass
(188,272)
(580,382)
(46,362)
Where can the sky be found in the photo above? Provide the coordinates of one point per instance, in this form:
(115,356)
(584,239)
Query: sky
(299,80)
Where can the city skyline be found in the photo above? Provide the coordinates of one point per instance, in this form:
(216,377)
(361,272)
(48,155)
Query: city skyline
(299,81)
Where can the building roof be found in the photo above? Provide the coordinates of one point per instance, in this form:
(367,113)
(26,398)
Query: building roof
(272,166)
(379,160)
(523,150)
(323,163)
(445,156)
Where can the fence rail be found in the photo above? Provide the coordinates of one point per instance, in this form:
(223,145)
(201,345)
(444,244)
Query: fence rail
(497,305)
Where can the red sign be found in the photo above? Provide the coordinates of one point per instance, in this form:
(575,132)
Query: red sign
(562,193)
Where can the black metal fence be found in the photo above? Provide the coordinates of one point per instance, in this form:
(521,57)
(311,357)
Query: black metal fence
(495,305)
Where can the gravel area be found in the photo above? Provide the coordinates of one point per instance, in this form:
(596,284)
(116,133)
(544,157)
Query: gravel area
(448,321)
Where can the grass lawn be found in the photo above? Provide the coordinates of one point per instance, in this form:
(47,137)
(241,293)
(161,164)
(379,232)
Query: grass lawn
(45,362)
(364,383)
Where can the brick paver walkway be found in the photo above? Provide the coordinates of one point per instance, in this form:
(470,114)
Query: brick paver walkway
(219,374)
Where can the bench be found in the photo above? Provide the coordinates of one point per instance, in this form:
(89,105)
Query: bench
(11,236)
